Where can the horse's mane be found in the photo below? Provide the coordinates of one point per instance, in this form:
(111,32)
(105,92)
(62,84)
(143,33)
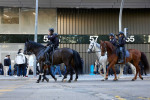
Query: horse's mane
(110,45)
(34,44)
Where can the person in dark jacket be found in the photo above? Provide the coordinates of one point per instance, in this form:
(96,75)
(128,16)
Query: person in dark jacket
(1,69)
(9,61)
(6,66)
(52,44)
(121,47)
(112,39)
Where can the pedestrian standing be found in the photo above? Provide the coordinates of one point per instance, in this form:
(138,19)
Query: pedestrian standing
(9,62)
(6,66)
(1,69)
(20,61)
(30,64)
(57,70)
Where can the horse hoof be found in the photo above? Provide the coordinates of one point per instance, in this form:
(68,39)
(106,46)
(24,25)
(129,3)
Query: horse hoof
(47,80)
(42,80)
(141,78)
(133,79)
(37,81)
(75,80)
(115,79)
(63,80)
(69,81)
(106,78)
(55,79)
(103,80)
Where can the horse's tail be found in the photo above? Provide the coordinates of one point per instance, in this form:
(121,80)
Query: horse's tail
(144,61)
(78,62)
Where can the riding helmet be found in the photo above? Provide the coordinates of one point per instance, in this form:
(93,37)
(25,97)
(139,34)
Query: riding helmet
(51,29)
(111,34)
(121,32)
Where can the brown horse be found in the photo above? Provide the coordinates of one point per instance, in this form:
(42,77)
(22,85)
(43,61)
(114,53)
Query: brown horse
(135,57)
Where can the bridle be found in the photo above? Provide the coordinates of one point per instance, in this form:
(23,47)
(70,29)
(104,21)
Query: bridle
(92,48)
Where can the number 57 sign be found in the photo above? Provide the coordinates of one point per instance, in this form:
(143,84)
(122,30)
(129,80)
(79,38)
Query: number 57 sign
(93,38)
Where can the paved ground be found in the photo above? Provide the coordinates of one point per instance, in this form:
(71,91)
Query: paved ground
(87,88)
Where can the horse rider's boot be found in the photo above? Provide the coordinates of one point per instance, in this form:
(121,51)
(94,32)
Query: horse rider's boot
(47,62)
(122,57)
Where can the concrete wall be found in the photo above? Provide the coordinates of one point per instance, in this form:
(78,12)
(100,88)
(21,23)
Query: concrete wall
(76,3)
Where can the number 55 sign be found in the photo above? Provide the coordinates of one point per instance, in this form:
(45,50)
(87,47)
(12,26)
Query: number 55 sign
(130,39)
(93,38)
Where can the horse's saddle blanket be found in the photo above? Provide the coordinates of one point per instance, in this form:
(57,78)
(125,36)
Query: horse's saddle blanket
(127,54)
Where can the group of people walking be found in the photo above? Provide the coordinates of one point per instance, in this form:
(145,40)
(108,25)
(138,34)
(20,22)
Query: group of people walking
(21,67)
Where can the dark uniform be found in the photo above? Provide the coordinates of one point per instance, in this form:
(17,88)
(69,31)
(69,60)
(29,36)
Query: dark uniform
(112,40)
(52,45)
(121,47)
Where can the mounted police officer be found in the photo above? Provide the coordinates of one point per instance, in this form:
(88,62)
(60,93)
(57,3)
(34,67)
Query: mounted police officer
(112,39)
(52,44)
(121,46)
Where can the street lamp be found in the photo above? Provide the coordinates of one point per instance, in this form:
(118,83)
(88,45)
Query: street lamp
(120,16)
(35,35)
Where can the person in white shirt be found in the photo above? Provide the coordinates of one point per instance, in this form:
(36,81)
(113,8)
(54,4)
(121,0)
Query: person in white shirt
(20,61)
(30,64)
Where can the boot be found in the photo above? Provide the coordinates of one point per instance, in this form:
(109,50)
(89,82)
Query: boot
(47,62)
(122,58)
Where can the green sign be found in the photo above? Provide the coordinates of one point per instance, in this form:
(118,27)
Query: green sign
(71,39)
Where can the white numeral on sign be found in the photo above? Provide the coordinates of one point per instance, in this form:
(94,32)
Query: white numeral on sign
(45,38)
(130,39)
(93,38)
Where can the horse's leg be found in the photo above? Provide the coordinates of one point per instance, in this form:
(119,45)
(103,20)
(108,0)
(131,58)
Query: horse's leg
(115,79)
(104,70)
(76,71)
(71,75)
(41,72)
(44,76)
(132,68)
(137,70)
(50,72)
(140,72)
(111,64)
(65,76)
(101,67)
(121,70)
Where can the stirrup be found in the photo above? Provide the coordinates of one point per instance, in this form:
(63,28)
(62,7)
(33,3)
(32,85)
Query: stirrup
(121,61)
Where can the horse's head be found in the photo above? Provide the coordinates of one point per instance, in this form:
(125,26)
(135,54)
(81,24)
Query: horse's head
(103,48)
(91,46)
(27,48)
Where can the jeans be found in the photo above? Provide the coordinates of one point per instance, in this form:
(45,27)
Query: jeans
(57,70)
(9,71)
(21,70)
(1,72)
(52,69)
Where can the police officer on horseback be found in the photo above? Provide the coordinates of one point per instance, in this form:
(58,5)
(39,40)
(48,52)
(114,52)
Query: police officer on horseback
(52,44)
(121,46)
(112,39)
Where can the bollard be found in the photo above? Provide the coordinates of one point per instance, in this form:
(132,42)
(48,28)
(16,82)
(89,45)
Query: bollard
(92,70)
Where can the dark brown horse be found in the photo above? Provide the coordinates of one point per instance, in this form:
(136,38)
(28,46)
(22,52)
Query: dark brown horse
(135,57)
(69,57)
